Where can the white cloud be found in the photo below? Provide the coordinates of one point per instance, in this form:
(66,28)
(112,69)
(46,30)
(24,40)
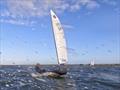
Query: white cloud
(21,7)
(17,22)
(25,9)
(92,5)
(5,14)
(33,8)
(109,2)
(38,8)
(20,10)
(67,26)
(89,4)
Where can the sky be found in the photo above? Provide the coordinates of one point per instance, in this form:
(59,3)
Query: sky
(91,27)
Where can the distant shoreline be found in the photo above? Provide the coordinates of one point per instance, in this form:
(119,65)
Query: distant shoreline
(67,64)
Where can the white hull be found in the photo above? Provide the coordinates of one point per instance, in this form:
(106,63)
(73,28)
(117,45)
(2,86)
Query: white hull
(46,74)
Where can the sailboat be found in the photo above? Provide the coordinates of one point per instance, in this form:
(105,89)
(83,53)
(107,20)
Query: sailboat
(61,50)
(92,63)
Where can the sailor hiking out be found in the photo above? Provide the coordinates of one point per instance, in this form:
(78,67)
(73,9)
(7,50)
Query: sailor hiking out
(60,45)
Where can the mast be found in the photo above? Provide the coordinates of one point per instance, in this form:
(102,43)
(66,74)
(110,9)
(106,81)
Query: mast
(59,39)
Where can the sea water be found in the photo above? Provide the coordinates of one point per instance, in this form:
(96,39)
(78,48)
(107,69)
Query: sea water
(79,77)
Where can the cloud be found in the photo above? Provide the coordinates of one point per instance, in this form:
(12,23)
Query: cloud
(92,5)
(39,8)
(89,4)
(24,8)
(109,2)
(17,22)
(27,9)
(33,8)
(21,10)
(66,26)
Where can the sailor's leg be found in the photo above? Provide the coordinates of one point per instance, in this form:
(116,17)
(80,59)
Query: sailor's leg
(39,69)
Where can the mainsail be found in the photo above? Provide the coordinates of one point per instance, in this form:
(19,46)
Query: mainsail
(59,38)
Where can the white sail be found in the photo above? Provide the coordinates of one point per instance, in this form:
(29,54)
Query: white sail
(59,38)
(92,63)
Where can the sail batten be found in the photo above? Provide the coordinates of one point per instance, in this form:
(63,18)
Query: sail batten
(59,38)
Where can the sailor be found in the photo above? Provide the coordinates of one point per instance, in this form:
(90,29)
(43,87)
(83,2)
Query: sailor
(39,69)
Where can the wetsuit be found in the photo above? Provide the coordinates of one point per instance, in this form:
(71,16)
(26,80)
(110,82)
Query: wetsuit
(39,69)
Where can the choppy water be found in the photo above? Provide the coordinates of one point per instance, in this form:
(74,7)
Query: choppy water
(77,78)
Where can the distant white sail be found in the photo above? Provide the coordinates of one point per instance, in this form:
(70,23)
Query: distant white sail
(92,63)
(60,42)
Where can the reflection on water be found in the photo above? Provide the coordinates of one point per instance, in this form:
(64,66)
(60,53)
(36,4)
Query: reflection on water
(77,78)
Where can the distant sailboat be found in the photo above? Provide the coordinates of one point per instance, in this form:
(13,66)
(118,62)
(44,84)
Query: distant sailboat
(59,39)
(92,63)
